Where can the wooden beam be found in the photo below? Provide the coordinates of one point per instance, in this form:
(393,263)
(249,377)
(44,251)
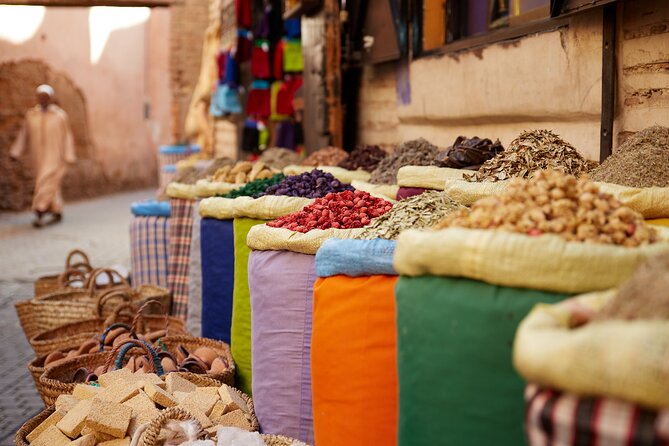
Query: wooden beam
(608,81)
(88,3)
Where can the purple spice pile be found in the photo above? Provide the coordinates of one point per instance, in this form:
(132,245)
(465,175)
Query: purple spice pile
(314,184)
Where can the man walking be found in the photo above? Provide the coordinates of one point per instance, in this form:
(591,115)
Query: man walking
(46,133)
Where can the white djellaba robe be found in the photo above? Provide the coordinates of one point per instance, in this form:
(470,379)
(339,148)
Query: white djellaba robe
(48,137)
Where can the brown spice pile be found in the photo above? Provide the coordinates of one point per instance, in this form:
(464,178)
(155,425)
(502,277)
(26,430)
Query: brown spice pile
(644,296)
(215,165)
(327,156)
(642,161)
(278,158)
(418,152)
(189,175)
(364,157)
(533,151)
(554,203)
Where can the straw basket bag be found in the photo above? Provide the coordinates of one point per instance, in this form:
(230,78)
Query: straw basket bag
(51,283)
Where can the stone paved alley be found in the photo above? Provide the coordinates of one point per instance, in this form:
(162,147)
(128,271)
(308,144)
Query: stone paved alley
(100,228)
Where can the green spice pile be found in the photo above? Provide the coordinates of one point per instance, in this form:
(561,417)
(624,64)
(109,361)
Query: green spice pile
(418,152)
(420,211)
(640,162)
(255,188)
(279,158)
(531,152)
(644,296)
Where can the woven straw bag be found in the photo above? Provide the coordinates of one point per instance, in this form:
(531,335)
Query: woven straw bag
(51,283)
(30,426)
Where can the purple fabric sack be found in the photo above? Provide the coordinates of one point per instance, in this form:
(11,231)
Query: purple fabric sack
(281,285)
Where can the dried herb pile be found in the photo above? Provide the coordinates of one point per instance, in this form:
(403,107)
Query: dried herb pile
(468,153)
(641,161)
(188,175)
(533,151)
(327,156)
(278,158)
(420,211)
(418,152)
(554,203)
(216,164)
(644,296)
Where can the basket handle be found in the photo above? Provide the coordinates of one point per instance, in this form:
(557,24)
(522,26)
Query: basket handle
(149,437)
(80,253)
(140,314)
(111,273)
(115,316)
(72,275)
(106,296)
(117,355)
(114,327)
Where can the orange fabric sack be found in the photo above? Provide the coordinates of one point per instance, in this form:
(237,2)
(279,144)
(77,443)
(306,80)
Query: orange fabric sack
(354,361)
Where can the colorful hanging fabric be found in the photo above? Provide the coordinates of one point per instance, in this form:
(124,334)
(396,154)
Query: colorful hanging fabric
(244,45)
(224,101)
(286,94)
(286,135)
(231,76)
(220,63)
(250,136)
(259,100)
(292,28)
(243,9)
(275,115)
(292,56)
(263,135)
(260,65)
(277,61)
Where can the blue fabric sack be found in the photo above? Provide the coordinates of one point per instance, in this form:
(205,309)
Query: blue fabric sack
(218,268)
(151,208)
(179,149)
(356,258)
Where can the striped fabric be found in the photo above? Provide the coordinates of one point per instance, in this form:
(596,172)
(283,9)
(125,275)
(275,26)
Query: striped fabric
(166,177)
(553,418)
(180,233)
(148,253)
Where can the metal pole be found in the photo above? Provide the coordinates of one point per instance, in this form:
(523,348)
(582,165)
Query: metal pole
(608,81)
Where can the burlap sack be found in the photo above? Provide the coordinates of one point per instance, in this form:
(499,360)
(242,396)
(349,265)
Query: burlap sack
(265,238)
(427,177)
(468,193)
(516,260)
(206,188)
(651,202)
(343,175)
(385,191)
(264,208)
(180,190)
(621,359)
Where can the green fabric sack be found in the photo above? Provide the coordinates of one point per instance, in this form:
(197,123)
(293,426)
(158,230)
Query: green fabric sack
(457,382)
(240,329)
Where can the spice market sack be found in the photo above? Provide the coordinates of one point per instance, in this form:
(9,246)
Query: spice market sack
(180,233)
(149,246)
(173,154)
(427,177)
(281,289)
(264,208)
(345,175)
(354,344)
(554,417)
(206,188)
(194,315)
(503,258)
(617,358)
(385,191)
(263,238)
(218,263)
(454,338)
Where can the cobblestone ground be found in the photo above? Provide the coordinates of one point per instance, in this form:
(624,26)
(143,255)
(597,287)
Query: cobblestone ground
(100,228)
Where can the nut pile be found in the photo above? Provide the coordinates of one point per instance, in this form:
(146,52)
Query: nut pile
(216,164)
(255,188)
(314,184)
(116,409)
(344,210)
(327,156)
(278,158)
(242,172)
(420,211)
(641,161)
(554,203)
(364,157)
(531,152)
(418,152)
(644,296)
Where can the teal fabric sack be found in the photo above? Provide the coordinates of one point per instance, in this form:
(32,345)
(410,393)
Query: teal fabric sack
(457,382)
